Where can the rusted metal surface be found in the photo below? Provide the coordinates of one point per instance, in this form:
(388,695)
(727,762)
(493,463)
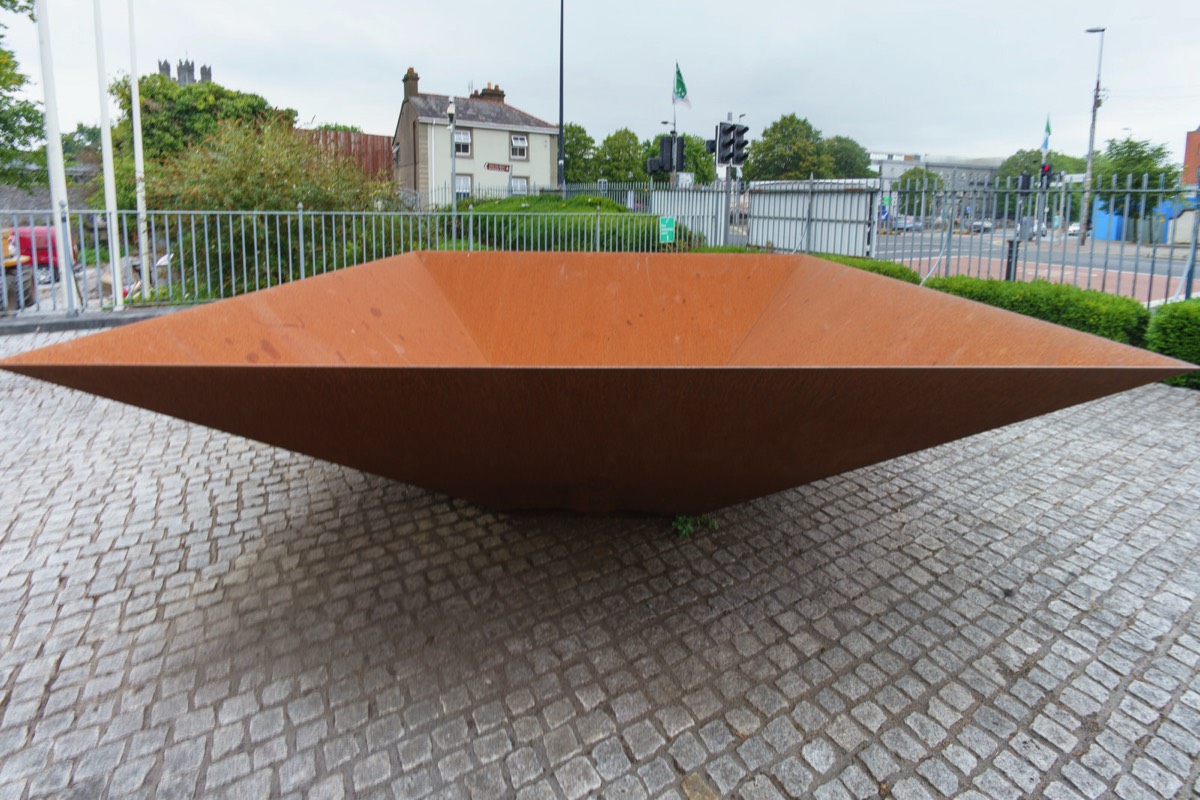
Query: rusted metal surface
(598,382)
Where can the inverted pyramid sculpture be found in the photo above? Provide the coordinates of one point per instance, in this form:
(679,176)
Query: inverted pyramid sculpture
(596,382)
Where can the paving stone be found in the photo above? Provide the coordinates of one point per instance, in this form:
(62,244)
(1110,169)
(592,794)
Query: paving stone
(1010,615)
(577,778)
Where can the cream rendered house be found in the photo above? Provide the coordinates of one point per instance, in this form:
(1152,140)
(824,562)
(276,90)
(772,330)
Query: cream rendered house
(499,150)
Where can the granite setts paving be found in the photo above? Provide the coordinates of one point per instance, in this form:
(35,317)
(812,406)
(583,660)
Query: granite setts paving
(185,613)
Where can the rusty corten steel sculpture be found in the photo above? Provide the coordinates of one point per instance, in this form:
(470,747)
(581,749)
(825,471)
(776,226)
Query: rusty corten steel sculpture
(596,382)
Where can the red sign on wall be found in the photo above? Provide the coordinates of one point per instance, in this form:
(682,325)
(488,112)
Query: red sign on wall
(497,167)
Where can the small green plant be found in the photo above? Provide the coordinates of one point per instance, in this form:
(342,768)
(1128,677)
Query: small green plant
(889,268)
(687,524)
(1121,319)
(1175,331)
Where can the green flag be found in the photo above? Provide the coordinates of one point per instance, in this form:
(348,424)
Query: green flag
(680,93)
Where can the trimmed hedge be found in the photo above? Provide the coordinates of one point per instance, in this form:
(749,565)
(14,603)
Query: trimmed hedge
(1175,331)
(1121,319)
(889,268)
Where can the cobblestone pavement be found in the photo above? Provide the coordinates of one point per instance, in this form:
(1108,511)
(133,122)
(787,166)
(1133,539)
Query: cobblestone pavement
(185,613)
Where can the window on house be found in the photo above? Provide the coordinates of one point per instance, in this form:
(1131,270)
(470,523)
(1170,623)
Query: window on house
(520,147)
(519,186)
(462,142)
(462,186)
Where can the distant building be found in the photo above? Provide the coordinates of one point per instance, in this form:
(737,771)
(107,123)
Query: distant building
(962,172)
(1191,157)
(185,73)
(499,149)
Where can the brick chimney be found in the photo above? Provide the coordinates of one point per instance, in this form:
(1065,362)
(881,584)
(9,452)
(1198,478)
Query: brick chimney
(492,93)
(410,83)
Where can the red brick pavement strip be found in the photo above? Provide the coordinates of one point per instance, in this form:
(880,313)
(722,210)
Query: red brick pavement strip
(185,613)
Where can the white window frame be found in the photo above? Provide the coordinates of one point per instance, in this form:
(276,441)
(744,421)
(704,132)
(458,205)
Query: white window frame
(518,147)
(462,136)
(462,186)
(520,181)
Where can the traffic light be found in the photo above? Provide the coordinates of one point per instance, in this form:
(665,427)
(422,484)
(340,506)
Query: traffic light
(665,157)
(739,144)
(1045,176)
(726,140)
(1024,183)
(710,146)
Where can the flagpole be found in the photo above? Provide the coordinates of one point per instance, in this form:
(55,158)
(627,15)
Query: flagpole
(110,189)
(139,161)
(54,161)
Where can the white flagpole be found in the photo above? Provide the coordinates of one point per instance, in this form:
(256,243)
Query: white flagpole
(54,159)
(110,188)
(139,161)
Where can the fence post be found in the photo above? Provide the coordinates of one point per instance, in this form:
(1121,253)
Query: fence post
(65,263)
(597,247)
(300,214)
(1190,272)
(471,227)
(808,222)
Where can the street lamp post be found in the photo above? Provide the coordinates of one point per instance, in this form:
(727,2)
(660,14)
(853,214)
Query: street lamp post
(1086,227)
(453,167)
(562,156)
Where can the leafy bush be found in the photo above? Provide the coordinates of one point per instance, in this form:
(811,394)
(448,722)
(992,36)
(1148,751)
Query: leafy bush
(888,268)
(581,223)
(1121,319)
(1175,331)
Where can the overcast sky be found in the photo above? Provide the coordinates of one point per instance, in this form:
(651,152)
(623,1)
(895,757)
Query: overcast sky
(963,78)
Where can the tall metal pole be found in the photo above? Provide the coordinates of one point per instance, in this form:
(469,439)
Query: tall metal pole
(562,156)
(1189,272)
(1086,227)
(54,158)
(110,188)
(453,172)
(139,161)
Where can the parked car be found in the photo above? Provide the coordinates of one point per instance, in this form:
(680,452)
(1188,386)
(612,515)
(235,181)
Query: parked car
(906,222)
(40,243)
(981,226)
(1073,229)
(19,289)
(1028,233)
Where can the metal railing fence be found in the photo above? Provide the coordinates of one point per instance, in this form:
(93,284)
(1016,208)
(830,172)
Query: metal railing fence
(1142,243)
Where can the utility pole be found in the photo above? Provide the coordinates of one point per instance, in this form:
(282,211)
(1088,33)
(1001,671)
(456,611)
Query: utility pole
(1086,227)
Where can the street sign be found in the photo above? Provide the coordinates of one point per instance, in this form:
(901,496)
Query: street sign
(883,210)
(666,230)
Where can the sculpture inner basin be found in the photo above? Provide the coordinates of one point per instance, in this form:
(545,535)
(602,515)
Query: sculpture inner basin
(598,382)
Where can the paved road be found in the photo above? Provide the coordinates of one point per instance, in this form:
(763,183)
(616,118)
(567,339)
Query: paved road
(185,613)
(973,254)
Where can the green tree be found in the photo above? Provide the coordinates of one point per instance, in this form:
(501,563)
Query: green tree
(790,149)
(21,123)
(1133,163)
(847,158)
(579,150)
(918,191)
(247,167)
(175,117)
(82,145)
(696,159)
(1029,162)
(1004,202)
(620,157)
